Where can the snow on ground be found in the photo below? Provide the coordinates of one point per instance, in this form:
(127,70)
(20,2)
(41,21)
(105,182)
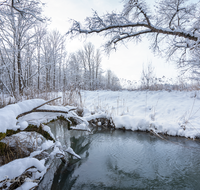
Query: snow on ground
(9,113)
(173,113)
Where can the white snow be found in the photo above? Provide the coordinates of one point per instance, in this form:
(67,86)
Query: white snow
(71,151)
(26,140)
(173,113)
(23,125)
(47,129)
(100,114)
(82,126)
(34,140)
(9,113)
(47,144)
(17,167)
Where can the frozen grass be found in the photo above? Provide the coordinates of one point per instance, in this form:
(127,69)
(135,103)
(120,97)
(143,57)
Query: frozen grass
(70,97)
(73,96)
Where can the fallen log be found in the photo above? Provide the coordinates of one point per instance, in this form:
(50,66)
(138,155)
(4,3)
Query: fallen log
(53,111)
(43,110)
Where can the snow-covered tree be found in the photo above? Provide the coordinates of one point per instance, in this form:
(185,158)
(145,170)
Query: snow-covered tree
(112,81)
(75,70)
(17,23)
(53,52)
(174,23)
(40,32)
(90,61)
(57,40)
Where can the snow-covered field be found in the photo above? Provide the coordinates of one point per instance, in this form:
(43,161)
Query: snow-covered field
(173,113)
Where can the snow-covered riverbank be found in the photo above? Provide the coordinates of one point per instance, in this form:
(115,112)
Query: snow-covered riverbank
(173,113)
(38,153)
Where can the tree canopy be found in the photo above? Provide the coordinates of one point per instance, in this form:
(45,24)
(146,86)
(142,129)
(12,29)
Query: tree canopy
(174,23)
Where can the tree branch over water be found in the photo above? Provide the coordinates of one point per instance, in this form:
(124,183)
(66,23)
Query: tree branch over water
(173,28)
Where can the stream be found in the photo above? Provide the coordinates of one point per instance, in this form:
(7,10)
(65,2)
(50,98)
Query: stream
(114,159)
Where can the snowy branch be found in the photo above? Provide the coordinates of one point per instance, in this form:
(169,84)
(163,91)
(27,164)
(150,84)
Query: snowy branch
(136,21)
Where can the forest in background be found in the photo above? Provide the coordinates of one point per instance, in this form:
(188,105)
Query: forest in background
(34,60)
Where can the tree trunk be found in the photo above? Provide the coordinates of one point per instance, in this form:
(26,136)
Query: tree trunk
(19,70)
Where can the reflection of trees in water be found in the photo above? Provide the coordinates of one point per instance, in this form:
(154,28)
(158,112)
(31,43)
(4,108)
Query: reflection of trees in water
(136,180)
(64,179)
(120,179)
(179,176)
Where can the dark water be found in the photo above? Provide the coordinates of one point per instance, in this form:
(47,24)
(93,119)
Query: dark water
(129,160)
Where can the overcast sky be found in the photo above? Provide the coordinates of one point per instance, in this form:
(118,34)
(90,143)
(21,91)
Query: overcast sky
(127,61)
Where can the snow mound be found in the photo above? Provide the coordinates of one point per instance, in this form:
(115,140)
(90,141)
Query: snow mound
(17,167)
(131,123)
(9,113)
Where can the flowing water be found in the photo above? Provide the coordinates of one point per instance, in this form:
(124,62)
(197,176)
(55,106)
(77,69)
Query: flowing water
(127,160)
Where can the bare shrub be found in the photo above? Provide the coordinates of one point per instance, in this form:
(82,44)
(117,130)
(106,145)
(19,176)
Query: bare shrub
(73,97)
(147,76)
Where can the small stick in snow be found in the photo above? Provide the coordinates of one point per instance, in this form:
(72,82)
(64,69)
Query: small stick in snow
(72,153)
(46,102)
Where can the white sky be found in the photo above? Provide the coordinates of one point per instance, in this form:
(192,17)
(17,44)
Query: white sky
(127,61)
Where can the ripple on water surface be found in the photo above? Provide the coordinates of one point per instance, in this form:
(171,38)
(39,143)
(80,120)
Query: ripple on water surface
(127,160)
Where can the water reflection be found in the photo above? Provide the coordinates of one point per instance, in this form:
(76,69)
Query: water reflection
(130,160)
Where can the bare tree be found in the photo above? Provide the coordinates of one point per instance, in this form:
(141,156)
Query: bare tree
(40,31)
(97,62)
(147,76)
(176,23)
(89,57)
(90,60)
(57,40)
(74,69)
